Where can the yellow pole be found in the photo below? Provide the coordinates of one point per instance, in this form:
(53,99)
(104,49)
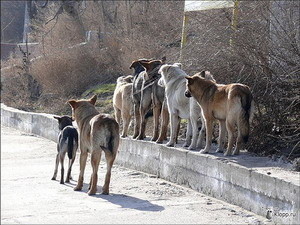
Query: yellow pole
(234,21)
(183,36)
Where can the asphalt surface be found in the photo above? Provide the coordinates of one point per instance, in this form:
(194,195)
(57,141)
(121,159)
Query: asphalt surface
(28,195)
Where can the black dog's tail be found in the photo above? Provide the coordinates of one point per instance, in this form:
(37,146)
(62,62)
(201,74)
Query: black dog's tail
(71,138)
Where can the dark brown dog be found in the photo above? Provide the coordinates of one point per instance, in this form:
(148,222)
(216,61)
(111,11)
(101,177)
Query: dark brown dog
(146,94)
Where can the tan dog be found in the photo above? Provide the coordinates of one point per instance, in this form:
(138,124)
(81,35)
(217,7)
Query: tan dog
(123,102)
(231,104)
(97,133)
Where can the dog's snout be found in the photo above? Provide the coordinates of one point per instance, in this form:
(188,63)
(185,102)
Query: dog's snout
(187,94)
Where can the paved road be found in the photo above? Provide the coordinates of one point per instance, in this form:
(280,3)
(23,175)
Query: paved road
(28,195)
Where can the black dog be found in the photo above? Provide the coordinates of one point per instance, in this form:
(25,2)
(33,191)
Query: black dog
(67,142)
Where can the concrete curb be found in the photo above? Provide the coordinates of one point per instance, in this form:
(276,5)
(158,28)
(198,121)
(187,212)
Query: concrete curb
(227,178)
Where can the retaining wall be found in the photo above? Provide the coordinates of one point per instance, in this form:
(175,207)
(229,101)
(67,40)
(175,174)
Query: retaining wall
(240,180)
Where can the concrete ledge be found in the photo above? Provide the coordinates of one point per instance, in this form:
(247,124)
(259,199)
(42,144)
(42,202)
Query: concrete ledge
(241,180)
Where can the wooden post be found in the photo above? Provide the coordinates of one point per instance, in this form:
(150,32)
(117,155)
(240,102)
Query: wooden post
(183,36)
(234,21)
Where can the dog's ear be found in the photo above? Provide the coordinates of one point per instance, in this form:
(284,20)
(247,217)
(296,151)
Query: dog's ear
(72,103)
(146,65)
(57,117)
(128,79)
(178,65)
(189,79)
(132,64)
(202,74)
(93,100)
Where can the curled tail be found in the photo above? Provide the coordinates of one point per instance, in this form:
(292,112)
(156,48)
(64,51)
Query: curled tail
(246,115)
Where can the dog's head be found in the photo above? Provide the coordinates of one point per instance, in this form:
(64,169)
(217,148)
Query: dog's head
(153,66)
(125,79)
(196,83)
(136,65)
(170,72)
(63,121)
(87,104)
(190,85)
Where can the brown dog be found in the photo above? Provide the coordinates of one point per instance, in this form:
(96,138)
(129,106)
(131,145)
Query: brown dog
(231,104)
(147,94)
(122,102)
(98,132)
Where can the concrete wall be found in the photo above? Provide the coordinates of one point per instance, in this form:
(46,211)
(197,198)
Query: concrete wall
(233,180)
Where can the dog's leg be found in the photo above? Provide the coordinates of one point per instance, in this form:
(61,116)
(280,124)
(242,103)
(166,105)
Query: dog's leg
(95,160)
(118,115)
(164,123)
(110,158)
(62,170)
(201,133)
(177,132)
(174,127)
(239,142)
(208,126)
(194,134)
(56,167)
(137,119)
(71,161)
(230,129)
(90,184)
(126,121)
(188,134)
(222,133)
(156,113)
(145,107)
(82,162)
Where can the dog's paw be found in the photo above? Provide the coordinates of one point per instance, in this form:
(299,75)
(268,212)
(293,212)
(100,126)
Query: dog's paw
(123,136)
(220,150)
(191,147)
(61,182)
(67,181)
(154,139)
(227,153)
(140,137)
(105,193)
(170,144)
(159,141)
(92,192)
(77,188)
(236,152)
(185,144)
(53,178)
(203,151)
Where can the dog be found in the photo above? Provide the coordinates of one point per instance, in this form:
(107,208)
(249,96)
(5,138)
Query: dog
(97,132)
(147,94)
(122,102)
(173,79)
(67,143)
(137,93)
(230,104)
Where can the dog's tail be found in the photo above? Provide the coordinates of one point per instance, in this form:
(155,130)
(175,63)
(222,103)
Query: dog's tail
(112,141)
(71,139)
(246,115)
